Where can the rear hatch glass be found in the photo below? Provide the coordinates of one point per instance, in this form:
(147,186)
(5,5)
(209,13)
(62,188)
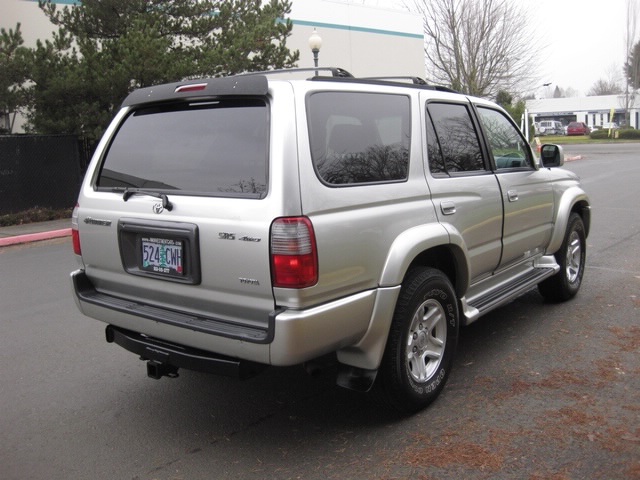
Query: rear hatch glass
(214,148)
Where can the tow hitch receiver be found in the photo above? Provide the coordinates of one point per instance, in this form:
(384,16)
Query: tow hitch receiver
(158,370)
(164,358)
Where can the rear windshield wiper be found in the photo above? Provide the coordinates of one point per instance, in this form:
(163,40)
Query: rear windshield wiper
(129,192)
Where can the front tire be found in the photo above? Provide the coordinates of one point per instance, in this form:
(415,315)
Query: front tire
(421,343)
(571,258)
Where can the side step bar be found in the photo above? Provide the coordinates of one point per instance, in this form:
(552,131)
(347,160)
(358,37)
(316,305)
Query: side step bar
(501,293)
(164,359)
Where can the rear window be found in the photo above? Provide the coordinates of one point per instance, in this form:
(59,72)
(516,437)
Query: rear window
(359,138)
(453,143)
(216,148)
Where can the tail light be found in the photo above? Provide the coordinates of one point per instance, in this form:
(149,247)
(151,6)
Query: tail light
(294,260)
(75,234)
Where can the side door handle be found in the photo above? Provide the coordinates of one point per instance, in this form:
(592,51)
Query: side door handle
(448,208)
(512,195)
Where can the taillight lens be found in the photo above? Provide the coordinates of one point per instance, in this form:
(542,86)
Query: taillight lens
(294,260)
(75,234)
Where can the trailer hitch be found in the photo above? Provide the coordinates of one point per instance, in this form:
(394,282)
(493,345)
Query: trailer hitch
(157,370)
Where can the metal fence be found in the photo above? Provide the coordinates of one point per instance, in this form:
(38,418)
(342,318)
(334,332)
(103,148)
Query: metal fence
(40,171)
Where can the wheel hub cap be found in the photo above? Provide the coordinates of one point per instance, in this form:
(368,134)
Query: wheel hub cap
(426,339)
(574,257)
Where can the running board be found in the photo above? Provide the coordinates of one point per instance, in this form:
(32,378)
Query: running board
(503,292)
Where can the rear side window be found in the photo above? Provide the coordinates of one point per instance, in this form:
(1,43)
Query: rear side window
(359,138)
(217,148)
(452,140)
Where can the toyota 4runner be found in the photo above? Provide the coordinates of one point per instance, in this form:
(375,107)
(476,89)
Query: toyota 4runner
(232,223)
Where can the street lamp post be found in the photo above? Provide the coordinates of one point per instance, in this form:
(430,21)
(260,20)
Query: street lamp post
(315,42)
(524,121)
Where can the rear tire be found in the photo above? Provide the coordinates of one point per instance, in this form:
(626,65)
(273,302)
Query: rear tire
(421,343)
(571,258)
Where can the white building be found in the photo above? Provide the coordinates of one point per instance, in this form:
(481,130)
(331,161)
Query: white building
(590,110)
(364,40)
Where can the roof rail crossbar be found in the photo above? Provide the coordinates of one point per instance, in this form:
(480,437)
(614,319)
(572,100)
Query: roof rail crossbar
(334,71)
(413,80)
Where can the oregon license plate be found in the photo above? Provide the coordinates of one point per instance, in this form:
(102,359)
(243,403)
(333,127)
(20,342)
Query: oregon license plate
(162,255)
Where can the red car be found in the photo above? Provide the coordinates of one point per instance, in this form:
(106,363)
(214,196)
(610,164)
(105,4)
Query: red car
(578,128)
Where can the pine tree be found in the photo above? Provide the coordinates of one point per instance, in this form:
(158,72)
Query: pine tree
(13,74)
(106,48)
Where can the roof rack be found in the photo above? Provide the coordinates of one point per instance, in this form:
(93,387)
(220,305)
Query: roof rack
(339,74)
(334,71)
(413,80)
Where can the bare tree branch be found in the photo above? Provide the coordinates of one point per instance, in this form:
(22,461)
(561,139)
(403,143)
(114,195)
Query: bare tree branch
(478,47)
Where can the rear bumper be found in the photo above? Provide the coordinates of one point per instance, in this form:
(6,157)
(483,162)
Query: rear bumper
(86,294)
(290,337)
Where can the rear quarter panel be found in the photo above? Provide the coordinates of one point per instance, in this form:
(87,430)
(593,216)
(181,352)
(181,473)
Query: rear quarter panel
(356,226)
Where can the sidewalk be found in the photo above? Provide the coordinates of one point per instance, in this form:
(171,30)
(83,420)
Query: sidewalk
(33,232)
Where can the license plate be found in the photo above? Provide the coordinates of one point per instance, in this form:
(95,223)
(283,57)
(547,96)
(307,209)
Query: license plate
(162,255)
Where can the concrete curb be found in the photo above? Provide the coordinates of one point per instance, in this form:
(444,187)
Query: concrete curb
(34,237)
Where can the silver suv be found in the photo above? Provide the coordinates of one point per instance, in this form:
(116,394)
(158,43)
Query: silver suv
(229,224)
(549,127)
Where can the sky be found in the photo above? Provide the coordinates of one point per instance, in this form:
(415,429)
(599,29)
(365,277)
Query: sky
(585,41)
(579,41)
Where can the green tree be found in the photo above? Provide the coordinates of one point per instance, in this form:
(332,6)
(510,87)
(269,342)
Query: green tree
(13,74)
(632,67)
(106,48)
(505,100)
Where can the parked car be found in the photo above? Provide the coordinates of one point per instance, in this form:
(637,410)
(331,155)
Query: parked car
(578,128)
(610,126)
(549,127)
(229,224)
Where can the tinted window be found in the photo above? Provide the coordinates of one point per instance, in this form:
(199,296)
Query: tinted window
(508,147)
(359,137)
(214,148)
(452,140)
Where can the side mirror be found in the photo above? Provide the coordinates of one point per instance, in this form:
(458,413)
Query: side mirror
(551,155)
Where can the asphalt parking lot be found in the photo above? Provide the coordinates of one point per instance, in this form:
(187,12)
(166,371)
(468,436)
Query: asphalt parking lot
(538,390)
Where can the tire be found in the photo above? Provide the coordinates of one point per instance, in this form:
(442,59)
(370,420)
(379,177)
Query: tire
(421,343)
(571,258)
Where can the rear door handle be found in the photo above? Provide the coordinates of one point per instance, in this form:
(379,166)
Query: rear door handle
(512,195)
(448,208)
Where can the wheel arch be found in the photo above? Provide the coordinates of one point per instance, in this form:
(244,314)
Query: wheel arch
(573,200)
(424,246)
(428,246)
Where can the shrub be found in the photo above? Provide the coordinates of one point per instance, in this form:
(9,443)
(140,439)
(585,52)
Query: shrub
(600,134)
(35,214)
(629,134)
(623,134)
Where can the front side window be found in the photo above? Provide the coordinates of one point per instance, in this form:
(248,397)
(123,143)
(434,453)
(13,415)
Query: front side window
(452,141)
(359,138)
(508,147)
(217,148)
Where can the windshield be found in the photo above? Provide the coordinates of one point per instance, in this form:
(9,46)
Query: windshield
(215,148)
